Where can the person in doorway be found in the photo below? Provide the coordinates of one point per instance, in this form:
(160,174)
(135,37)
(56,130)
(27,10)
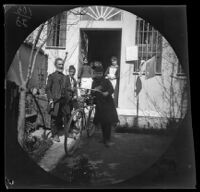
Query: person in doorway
(105,111)
(112,73)
(97,64)
(58,97)
(85,76)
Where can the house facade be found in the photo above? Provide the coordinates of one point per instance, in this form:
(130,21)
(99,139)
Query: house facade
(99,32)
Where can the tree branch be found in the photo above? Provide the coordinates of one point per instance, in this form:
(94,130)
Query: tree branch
(37,51)
(31,55)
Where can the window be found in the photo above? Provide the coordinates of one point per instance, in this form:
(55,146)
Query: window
(101,13)
(149,42)
(57,30)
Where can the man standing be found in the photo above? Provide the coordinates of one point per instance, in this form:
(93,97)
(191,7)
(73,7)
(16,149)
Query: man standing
(58,98)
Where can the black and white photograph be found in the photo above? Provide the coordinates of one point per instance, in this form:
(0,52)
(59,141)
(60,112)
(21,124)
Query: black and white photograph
(96,95)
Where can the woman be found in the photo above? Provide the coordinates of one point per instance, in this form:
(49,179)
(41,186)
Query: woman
(105,113)
(112,73)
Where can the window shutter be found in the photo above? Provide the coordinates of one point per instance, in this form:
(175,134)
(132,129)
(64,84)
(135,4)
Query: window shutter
(62,31)
(50,33)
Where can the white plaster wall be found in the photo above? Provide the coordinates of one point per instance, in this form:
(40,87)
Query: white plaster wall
(152,98)
(126,87)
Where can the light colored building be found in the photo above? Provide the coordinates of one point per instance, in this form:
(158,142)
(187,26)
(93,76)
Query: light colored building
(100,32)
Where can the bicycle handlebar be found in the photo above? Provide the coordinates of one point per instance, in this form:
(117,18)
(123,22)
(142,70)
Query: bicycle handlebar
(89,89)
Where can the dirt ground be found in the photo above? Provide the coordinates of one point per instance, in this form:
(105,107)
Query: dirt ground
(130,155)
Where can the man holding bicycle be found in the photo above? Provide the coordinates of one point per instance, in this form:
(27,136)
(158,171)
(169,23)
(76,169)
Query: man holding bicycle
(58,97)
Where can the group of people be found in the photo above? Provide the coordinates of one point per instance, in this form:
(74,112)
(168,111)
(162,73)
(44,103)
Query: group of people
(61,91)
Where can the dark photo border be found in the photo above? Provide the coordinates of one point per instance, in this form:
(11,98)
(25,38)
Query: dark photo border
(171,21)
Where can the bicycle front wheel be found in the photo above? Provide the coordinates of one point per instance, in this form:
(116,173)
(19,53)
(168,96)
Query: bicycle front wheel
(90,125)
(73,132)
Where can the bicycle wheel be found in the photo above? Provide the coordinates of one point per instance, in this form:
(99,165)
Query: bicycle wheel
(73,132)
(90,125)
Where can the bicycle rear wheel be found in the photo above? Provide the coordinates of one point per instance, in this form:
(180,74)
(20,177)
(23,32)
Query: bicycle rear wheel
(90,125)
(73,132)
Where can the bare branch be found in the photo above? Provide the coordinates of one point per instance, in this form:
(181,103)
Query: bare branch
(37,51)
(31,55)
(20,68)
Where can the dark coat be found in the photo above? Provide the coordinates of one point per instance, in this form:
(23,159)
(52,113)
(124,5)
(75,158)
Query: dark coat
(105,107)
(69,88)
(71,92)
(57,89)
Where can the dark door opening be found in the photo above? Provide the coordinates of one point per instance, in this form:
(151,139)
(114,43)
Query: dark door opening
(102,45)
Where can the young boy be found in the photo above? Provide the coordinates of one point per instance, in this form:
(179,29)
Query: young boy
(105,113)
(72,89)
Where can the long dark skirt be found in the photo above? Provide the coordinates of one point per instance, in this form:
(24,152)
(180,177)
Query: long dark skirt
(106,112)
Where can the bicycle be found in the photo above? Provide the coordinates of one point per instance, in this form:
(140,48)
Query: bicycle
(80,121)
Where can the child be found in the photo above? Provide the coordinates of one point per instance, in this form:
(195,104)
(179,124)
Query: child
(105,113)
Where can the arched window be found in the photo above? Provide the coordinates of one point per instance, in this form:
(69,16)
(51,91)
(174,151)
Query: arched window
(101,13)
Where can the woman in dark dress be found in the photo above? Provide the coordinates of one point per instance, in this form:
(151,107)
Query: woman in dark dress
(106,113)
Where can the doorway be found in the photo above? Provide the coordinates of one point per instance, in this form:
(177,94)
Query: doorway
(101,45)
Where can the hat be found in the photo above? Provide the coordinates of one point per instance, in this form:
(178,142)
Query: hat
(98,69)
(71,67)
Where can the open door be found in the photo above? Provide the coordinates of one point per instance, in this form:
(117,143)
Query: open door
(83,47)
(101,44)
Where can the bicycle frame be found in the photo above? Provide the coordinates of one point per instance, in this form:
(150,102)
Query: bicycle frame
(84,108)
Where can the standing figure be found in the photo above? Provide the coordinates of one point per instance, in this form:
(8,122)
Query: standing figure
(85,75)
(73,95)
(58,97)
(72,90)
(112,73)
(105,111)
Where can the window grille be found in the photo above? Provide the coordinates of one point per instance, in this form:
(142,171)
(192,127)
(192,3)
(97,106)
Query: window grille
(149,42)
(101,13)
(57,30)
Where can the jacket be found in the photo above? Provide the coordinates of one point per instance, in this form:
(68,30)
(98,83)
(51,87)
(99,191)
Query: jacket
(105,108)
(57,90)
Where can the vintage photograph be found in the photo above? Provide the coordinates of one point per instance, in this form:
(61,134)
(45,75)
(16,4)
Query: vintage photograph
(102,94)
